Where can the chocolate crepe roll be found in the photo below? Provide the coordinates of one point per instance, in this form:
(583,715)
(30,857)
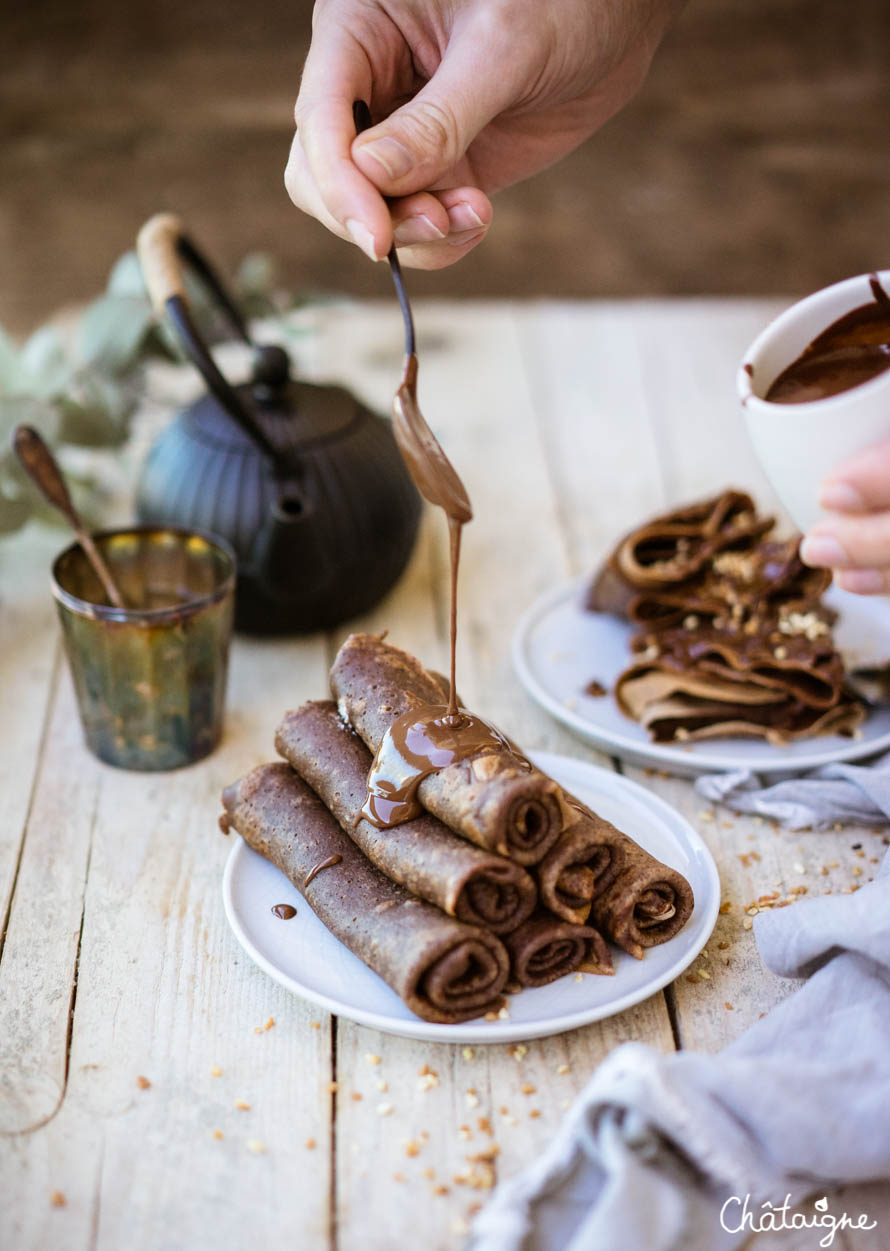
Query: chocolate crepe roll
(445,971)
(496,799)
(546,948)
(422,855)
(646,904)
(588,855)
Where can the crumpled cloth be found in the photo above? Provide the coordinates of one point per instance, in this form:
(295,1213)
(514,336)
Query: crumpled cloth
(859,794)
(658,1146)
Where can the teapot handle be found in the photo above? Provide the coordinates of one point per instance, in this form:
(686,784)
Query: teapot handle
(163,246)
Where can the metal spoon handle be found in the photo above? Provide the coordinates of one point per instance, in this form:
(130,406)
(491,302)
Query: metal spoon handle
(42,468)
(362,117)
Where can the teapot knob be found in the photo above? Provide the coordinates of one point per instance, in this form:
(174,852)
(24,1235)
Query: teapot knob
(271,371)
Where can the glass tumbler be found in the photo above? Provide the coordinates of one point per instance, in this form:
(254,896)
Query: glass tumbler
(150,679)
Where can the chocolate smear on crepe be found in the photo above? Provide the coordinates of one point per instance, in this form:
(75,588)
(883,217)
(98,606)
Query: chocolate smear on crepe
(422,854)
(546,948)
(444,970)
(494,797)
(645,905)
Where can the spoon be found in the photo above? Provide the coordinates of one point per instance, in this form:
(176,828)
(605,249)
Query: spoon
(42,467)
(433,473)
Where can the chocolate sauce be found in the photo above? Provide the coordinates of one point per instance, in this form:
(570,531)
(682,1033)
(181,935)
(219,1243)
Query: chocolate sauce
(853,350)
(285,911)
(316,869)
(595,689)
(421,742)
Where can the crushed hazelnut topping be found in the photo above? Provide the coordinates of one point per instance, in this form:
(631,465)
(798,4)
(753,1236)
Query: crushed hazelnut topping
(242,1105)
(428,1081)
(382,1086)
(563,1068)
(384,1109)
(217,1134)
(579,977)
(143,1083)
(527,1088)
(315,1024)
(57,1199)
(468,1053)
(311,1144)
(412,1147)
(519,1052)
(472,1099)
(429,1173)
(534,1114)
(484,1125)
(440,1190)
(728,1006)
(357,1096)
(333,1087)
(706,814)
(725,907)
(215,1071)
(255,1146)
(371,1058)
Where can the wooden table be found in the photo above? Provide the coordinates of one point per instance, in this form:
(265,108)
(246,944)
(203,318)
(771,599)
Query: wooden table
(157,1091)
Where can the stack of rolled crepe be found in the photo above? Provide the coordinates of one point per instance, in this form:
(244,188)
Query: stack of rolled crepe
(503,882)
(736,640)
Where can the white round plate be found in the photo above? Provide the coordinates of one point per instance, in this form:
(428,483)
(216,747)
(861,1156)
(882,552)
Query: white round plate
(559,646)
(305,957)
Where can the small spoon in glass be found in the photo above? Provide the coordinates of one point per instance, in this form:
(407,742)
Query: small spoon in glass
(43,469)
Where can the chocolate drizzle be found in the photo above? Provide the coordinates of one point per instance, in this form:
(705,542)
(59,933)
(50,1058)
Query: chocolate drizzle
(854,349)
(317,868)
(429,737)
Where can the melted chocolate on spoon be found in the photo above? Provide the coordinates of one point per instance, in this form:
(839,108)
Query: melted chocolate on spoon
(853,350)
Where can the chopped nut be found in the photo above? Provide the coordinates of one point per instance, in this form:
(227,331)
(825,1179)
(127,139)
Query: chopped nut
(215,1071)
(728,1006)
(519,1052)
(57,1199)
(429,1173)
(724,946)
(798,890)
(707,814)
(412,1147)
(357,1096)
(311,1144)
(504,1013)
(315,1024)
(579,977)
(242,1105)
(472,1099)
(384,1109)
(382,1086)
(371,1058)
(270,1023)
(562,1068)
(799,868)
(333,1087)
(465,1133)
(254,1145)
(217,1134)
(856,870)
(468,1053)
(399,1177)
(780,653)
(143,1083)
(704,974)
(527,1088)
(440,1190)
(691,622)
(747,923)
(484,1125)
(725,907)
(428,1081)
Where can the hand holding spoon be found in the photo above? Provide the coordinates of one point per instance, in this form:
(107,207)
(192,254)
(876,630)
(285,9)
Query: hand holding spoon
(42,467)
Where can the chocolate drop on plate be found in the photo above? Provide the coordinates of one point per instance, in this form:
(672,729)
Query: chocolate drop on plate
(285,911)
(853,350)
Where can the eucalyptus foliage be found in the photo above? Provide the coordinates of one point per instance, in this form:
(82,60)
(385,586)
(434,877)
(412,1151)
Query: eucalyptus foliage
(79,385)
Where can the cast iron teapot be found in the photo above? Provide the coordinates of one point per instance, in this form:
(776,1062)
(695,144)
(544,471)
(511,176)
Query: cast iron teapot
(305,483)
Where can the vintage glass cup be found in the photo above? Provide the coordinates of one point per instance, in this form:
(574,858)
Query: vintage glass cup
(150,679)
(799,444)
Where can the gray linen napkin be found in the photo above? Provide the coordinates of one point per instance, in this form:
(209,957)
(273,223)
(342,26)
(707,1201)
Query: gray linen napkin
(836,792)
(657,1146)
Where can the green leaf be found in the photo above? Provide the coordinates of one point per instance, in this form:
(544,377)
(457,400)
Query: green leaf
(98,418)
(46,361)
(112,331)
(14,512)
(256,275)
(126,277)
(13,376)
(15,409)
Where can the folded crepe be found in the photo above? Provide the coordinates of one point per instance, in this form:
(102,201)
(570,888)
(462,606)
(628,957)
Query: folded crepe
(674,549)
(705,682)
(444,970)
(738,587)
(422,854)
(587,856)
(545,948)
(495,799)
(645,905)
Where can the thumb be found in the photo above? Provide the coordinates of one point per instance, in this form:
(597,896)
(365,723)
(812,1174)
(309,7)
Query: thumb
(419,144)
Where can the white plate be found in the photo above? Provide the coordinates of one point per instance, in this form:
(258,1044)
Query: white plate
(559,646)
(302,955)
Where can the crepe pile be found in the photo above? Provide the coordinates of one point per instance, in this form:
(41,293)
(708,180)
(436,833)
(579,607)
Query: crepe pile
(503,882)
(733,639)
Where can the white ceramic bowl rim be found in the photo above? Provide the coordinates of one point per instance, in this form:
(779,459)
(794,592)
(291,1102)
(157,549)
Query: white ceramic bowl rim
(842,297)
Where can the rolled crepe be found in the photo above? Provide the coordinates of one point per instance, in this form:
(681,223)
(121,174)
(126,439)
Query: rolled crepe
(588,855)
(495,799)
(546,948)
(645,905)
(444,970)
(422,855)
(673,549)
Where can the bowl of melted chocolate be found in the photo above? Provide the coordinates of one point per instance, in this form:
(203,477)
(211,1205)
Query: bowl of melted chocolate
(815,388)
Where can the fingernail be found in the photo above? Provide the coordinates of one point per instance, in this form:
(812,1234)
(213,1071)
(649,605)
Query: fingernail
(842,497)
(460,238)
(363,237)
(393,156)
(822,551)
(463,216)
(417,229)
(861,581)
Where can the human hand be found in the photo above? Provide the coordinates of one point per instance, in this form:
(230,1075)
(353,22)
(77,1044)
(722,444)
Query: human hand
(855,539)
(469,95)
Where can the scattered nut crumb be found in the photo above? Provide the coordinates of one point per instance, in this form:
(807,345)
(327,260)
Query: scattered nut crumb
(254,1145)
(440,1190)
(357,1096)
(465,1133)
(527,1088)
(382,1086)
(707,814)
(143,1083)
(57,1199)
(399,1177)
(534,1114)
(315,1024)
(215,1071)
(242,1105)
(725,907)
(798,867)
(371,1058)
(311,1144)
(217,1134)
(728,1006)
(484,1125)
(468,1053)
(563,1068)
(412,1147)
(472,1098)
(333,1087)
(384,1109)
(429,1173)
(519,1052)
(504,1014)
(704,974)
(579,977)
(270,1023)
(428,1081)
(747,923)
